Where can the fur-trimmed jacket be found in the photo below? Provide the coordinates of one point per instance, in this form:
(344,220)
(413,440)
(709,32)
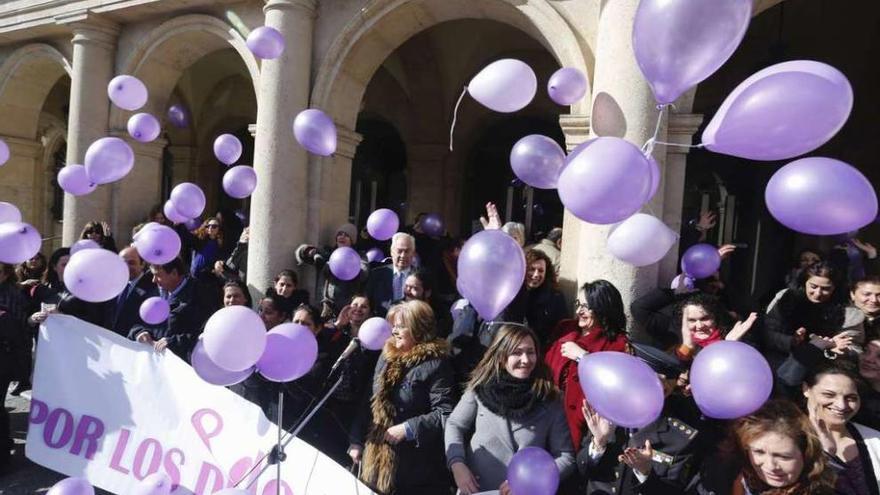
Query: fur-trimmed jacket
(416,388)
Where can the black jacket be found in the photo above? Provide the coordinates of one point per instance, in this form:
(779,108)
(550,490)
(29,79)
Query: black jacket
(791,312)
(184,324)
(546,307)
(125,314)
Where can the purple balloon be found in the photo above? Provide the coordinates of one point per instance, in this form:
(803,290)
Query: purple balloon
(154,310)
(505,85)
(157,483)
(640,240)
(144,127)
(127,92)
(266,43)
(188,199)
(537,160)
(375,255)
(213,374)
(605,180)
(192,224)
(374,332)
(780,112)
(622,388)
(821,196)
(655,178)
(4,152)
(9,212)
(96,275)
(19,242)
(83,244)
(227,148)
(677,44)
(315,132)
(178,116)
(171,213)
(345,263)
(235,338)
(71,486)
(432,224)
(491,270)
(382,224)
(240,181)
(158,244)
(75,180)
(532,471)
(730,380)
(567,86)
(108,160)
(700,261)
(291,351)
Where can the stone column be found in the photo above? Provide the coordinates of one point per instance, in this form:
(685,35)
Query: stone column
(183,159)
(576,129)
(330,187)
(94,45)
(20,181)
(623,106)
(425,179)
(279,204)
(134,195)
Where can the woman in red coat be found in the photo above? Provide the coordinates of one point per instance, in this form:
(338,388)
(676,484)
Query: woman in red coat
(599,325)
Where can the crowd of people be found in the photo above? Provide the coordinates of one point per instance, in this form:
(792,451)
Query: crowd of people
(450,399)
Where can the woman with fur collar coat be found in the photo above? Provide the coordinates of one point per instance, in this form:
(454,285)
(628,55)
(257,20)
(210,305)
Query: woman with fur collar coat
(413,395)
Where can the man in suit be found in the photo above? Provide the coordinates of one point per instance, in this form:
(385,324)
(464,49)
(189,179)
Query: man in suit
(386,283)
(188,314)
(126,308)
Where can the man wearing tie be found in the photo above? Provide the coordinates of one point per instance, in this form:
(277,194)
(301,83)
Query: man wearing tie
(126,310)
(386,283)
(188,314)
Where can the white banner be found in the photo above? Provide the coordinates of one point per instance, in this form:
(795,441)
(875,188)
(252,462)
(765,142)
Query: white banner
(114,411)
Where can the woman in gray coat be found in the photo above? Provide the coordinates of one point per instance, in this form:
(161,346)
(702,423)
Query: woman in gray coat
(510,403)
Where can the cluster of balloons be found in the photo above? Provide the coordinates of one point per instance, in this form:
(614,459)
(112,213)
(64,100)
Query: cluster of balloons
(187,202)
(240,181)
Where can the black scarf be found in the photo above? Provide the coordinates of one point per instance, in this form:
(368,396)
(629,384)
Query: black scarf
(507,396)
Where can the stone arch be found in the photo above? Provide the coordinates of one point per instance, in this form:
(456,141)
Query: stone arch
(26,78)
(161,57)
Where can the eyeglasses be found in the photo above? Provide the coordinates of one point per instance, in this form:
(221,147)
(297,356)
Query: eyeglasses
(212,226)
(578,306)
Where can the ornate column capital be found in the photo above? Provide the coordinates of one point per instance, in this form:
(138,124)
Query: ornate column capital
(576,129)
(28,148)
(680,129)
(89,27)
(308,7)
(347,142)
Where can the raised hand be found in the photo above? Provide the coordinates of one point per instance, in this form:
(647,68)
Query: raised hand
(638,459)
(492,220)
(599,427)
(741,328)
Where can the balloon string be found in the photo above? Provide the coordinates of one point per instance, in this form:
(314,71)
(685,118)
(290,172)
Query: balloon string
(701,145)
(455,116)
(648,147)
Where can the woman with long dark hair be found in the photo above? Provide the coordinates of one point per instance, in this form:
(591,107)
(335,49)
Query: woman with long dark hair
(546,306)
(510,397)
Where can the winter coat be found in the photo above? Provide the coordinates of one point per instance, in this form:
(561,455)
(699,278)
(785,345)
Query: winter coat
(791,312)
(546,308)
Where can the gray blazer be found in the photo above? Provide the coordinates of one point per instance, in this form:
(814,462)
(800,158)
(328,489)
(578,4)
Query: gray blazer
(482,440)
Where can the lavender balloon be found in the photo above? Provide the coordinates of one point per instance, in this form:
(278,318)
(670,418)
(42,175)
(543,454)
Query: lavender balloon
(821,196)
(4,152)
(157,483)
(154,310)
(144,127)
(127,92)
(171,213)
(640,240)
(622,388)
(213,374)
(532,471)
(75,180)
(382,224)
(780,112)
(96,275)
(505,85)
(700,261)
(235,491)
(315,132)
(19,242)
(375,255)
(9,212)
(266,43)
(605,180)
(567,86)
(345,263)
(291,351)
(655,178)
(235,338)
(432,224)
(71,486)
(178,116)
(188,199)
(374,332)
(227,148)
(240,181)
(677,43)
(108,160)
(537,160)
(83,244)
(491,270)
(730,380)
(192,223)
(158,244)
